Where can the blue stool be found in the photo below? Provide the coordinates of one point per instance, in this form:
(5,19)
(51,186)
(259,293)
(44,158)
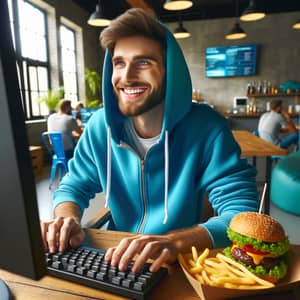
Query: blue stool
(285,184)
(54,143)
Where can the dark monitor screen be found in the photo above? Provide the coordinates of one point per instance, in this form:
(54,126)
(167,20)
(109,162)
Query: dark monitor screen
(21,249)
(229,61)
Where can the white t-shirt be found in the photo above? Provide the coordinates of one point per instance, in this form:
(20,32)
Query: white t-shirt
(140,144)
(269,126)
(63,123)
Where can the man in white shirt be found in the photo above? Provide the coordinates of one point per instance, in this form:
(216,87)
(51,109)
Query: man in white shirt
(275,122)
(63,121)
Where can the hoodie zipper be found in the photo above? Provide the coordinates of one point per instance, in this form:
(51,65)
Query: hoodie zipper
(143,196)
(126,146)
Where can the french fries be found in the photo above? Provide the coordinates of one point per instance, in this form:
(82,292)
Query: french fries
(221,271)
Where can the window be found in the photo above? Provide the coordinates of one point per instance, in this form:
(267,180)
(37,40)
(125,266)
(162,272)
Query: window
(41,66)
(69,63)
(30,40)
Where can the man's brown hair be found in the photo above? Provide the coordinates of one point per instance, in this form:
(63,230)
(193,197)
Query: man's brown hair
(133,22)
(275,103)
(65,106)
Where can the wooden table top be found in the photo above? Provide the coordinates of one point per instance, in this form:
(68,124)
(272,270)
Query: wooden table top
(252,145)
(175,286)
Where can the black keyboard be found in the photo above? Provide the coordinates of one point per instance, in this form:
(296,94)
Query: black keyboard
(86,266)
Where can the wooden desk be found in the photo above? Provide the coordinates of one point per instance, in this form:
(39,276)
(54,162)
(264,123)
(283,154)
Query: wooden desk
(175,286)
(253,146)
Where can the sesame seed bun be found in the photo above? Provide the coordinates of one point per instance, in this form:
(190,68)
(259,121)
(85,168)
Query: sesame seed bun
(258,226)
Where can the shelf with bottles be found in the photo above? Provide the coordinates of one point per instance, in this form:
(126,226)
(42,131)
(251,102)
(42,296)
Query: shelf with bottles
(290,94)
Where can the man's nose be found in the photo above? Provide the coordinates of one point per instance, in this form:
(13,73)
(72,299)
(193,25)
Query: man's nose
(129,73)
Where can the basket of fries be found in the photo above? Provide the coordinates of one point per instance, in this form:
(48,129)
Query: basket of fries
(215,276)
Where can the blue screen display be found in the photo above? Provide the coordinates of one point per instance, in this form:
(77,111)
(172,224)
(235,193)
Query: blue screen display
(228,61)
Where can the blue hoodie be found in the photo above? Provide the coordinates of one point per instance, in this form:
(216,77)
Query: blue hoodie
(196,155)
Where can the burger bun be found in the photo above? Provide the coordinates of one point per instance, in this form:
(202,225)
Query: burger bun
(258,226)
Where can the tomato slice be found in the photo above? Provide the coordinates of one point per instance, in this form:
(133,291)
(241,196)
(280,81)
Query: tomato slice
(249,248)
(269,278)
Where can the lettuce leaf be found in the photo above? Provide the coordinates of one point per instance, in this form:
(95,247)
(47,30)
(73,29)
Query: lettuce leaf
(276,249)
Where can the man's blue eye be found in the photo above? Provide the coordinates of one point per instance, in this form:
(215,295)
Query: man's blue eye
(118,63)
(143,62)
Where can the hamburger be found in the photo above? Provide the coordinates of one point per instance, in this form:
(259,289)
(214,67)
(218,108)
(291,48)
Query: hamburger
(259,243)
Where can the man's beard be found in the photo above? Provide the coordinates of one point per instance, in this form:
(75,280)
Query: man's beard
(136,109)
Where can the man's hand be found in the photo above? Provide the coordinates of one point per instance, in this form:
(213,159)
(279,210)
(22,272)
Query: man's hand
(161,248)
(60,233)
(64,230)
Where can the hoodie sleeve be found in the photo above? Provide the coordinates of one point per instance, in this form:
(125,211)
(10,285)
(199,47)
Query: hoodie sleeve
(83,180)
(230,183)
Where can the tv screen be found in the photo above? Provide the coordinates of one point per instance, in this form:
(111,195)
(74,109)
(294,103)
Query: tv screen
(229,61)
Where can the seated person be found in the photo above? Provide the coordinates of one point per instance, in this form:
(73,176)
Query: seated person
(64,122)
(154,153)
(273,123)
(78,108)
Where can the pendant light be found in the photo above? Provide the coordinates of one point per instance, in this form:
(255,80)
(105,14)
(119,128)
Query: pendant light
(98,17)
(236,32)
(296,25)
(177,4)
(180,32)
(251,13)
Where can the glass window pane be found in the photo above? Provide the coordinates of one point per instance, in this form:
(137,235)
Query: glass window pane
(40,48)
(42,79)
(33,79)
(32,32)
(35,105)
(27,104)
(67,38)
(68,60)
(69,69)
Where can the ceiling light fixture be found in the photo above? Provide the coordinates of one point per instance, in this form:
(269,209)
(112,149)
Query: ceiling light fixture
(180,32)
(98,17)
(296,25)
(251,13)
(177,4)
(236,32)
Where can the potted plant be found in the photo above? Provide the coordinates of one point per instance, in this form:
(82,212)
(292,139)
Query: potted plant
(93,83)
(52,98)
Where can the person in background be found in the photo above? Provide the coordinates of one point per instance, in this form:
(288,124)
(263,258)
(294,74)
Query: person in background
(63,121)
(78,108)
(276,122)
(154,154)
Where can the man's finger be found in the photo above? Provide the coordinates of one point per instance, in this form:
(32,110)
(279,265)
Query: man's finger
(68,226)
(53,234)
(162,259)
(134,248)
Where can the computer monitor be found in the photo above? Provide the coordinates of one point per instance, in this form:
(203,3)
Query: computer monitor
(21,250)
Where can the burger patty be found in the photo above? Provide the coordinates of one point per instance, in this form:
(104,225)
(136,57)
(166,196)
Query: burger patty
(241,255)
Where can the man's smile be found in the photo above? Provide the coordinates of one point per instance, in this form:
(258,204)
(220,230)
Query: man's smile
(133,92)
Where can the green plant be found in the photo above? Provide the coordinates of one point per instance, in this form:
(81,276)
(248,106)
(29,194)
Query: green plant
(52,98)
(93,83)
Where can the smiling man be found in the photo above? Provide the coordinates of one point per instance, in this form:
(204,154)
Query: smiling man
(154,153)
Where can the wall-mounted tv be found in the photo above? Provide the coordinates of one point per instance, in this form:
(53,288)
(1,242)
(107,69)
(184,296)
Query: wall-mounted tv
(229,61)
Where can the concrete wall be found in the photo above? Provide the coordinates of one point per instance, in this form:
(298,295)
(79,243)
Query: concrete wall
(278,54)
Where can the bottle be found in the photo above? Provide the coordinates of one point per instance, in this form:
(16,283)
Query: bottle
(248,88)
(259,88)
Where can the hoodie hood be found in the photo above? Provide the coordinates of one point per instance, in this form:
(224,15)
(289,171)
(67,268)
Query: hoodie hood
(178,90)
